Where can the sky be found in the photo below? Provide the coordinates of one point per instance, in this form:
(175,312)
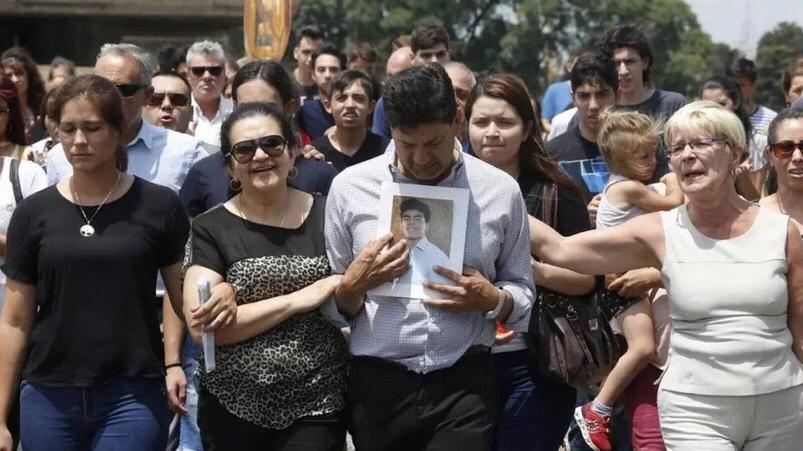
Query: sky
(741,23)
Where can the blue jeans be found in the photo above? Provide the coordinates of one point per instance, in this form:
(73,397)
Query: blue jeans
(534,413)
(124,414)
(190,435)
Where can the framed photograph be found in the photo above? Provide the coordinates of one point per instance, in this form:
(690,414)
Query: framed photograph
(433,221)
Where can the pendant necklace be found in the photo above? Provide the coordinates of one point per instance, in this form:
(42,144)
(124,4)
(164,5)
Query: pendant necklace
(87,230)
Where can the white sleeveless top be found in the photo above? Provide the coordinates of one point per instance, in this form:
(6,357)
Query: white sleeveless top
(608,215)
(728,305)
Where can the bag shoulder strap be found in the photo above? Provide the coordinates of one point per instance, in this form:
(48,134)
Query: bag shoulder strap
(549,204)
(14,175)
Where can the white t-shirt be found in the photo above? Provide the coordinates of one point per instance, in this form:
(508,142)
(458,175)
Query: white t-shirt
(32,179)
(560,123)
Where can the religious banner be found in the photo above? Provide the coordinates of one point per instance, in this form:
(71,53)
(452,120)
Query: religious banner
(266,28)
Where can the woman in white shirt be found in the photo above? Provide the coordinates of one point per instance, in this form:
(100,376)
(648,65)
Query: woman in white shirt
(734,278)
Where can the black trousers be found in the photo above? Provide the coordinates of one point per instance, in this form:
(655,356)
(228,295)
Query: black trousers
(393,408)
(223,431)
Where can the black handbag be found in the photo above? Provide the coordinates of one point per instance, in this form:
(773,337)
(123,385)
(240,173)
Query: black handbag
(570,337)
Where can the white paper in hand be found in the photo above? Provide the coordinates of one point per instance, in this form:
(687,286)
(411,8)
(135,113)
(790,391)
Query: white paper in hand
(204,291)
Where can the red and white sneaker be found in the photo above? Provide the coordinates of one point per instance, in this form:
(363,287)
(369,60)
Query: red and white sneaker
(596,428)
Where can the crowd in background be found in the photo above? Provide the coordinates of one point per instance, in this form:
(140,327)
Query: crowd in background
(122,190)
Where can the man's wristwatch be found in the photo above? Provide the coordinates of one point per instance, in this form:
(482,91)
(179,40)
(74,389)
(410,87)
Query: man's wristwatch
(492,314)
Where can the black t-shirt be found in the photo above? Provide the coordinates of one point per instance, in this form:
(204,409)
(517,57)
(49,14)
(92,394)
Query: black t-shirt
(96,320)
(296,368)
(373,146)
(306,93)
(580,159)
(572,216)
(659,106)
(207,182)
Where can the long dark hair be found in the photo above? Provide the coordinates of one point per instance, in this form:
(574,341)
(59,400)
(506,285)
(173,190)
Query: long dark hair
(36,86)
(537,166)
(735,95)
(15,127)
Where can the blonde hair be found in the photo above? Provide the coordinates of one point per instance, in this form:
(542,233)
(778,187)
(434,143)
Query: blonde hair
(621,134)
(709,117)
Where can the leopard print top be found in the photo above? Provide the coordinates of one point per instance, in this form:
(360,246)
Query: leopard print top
(293,370)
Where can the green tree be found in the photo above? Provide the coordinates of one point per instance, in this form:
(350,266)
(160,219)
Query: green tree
(777,49)
(528,37)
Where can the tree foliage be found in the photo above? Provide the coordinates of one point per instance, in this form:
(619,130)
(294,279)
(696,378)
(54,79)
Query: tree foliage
(777,49)
(528,37)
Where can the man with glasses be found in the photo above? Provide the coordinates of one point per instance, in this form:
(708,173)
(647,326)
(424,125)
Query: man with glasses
(155,154)
(206,62)
(169,105)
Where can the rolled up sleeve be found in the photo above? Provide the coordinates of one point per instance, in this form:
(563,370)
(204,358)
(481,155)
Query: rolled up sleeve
(513,272)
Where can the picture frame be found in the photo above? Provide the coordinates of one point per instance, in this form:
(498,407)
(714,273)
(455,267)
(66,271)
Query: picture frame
(434,223)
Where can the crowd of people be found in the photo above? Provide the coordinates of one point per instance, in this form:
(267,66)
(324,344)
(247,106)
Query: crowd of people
(124,189)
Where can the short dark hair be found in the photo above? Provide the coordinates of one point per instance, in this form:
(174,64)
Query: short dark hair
(170,73)
(348,78)
(312,32)
(328,49)
(411,203)
(628,36)
(271,73)
(594,69)
(787,114)
(742,68)
(362,50)
(252,109)
(793,70)
(61,61)
(419,95)
(428,36)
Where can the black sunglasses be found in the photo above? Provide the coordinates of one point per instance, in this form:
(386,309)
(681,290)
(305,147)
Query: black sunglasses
(272,145)
(199,71)
(785,149)
(128,90)
(176,99)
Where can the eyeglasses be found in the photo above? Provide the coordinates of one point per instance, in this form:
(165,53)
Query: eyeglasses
(128,90)
(676,149)
(785,149)
(176,99)
(273,145)
(199,71)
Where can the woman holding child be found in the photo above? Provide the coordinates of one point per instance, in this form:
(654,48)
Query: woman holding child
(734,278)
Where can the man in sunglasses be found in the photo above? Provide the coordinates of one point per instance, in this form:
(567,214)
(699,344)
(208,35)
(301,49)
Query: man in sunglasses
(155,154)
(169,105)
(206,63)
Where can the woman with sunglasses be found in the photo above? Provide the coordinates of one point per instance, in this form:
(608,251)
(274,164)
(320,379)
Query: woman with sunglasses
(785,154)
(280,377)
(733,272)
(208,184)
(79,318)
